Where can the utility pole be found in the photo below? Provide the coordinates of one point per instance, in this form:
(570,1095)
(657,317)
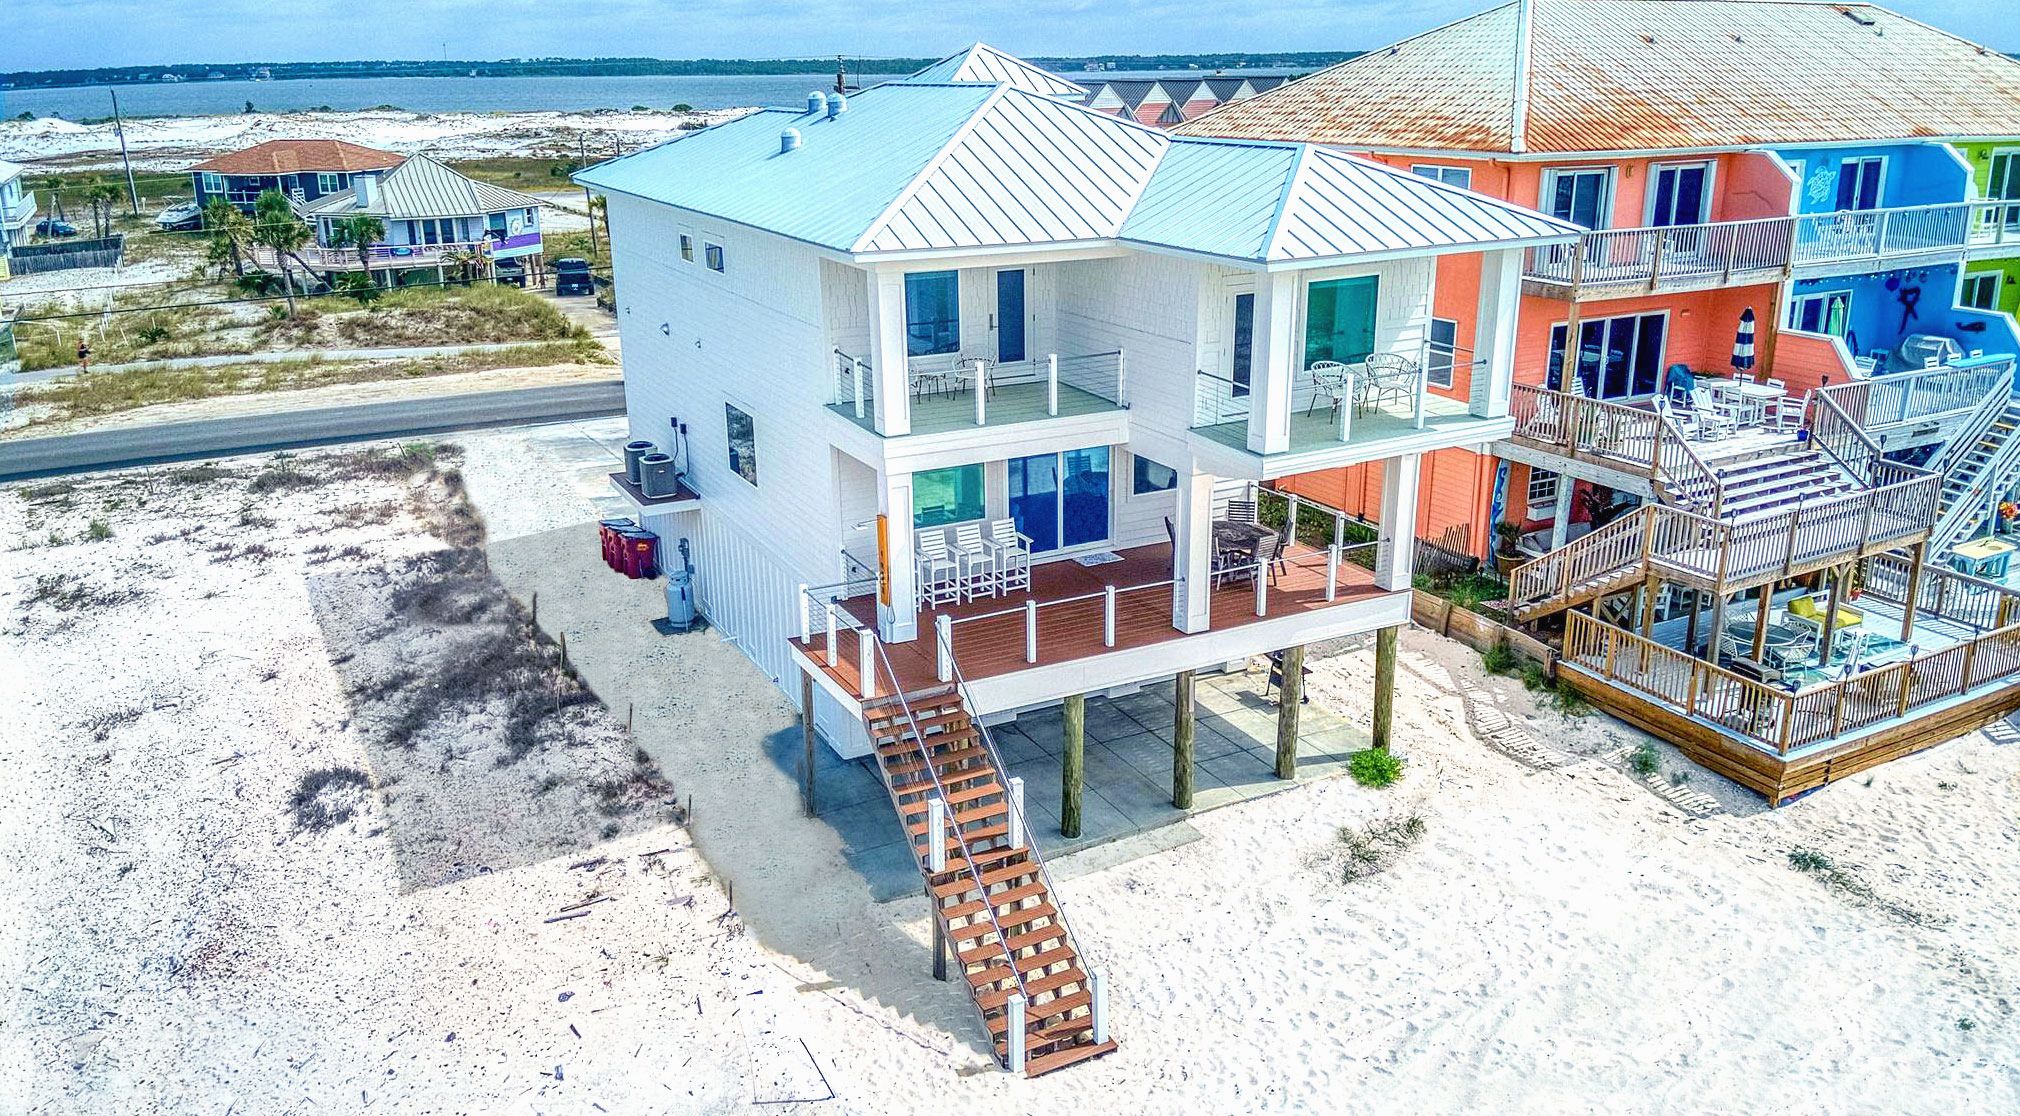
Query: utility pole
(588,200)
(119,129)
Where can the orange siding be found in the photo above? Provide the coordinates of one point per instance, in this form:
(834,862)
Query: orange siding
(1807,361)
(1455,491)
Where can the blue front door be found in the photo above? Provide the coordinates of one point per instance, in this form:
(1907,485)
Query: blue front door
(1061,499)
(1010,316)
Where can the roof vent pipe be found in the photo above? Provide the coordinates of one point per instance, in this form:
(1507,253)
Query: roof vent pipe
(789,141)
(837,105)
(1518,124)
(816,101)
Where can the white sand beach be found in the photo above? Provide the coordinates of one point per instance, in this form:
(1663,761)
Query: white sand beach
(1560,940)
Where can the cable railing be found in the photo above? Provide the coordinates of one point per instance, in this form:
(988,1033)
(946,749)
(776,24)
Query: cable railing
(855,385)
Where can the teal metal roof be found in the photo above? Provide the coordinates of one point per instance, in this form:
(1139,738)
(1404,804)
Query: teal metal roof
(989,66)
(1217,198)
(847,172)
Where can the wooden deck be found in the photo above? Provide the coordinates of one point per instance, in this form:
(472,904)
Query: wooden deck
(992,647)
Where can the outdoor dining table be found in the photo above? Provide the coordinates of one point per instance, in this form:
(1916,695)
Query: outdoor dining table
(1750,397)
(1236,534)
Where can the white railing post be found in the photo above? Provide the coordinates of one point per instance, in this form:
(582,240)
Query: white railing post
(806,617)
(981,393)
(834,652)
(1339,530)
(1108,616)
(1262,589)
(1346,406)
(1333,572)
(866,662)
(1121,380)
(936,834)
(1030,631)
(1097,985)
(1052,384)
(1423,390)
(856,375)
(1016,822)
(943,635)
(1013,1039)
(1291,516)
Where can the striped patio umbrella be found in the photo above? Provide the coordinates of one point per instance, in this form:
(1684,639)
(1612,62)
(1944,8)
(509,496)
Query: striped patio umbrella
(1742,345)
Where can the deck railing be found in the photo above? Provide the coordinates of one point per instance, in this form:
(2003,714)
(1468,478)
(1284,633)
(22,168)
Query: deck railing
(1402,392)
(1632,439)
(1718,253)
(855,385)
(1779,720)
(1924,395)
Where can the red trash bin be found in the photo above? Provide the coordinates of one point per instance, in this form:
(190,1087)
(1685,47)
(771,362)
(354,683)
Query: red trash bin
(644,554)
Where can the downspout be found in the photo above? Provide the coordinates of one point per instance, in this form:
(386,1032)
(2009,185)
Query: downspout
(1518,124)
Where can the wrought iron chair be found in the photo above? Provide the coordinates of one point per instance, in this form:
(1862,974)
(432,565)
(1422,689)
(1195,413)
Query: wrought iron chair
(1329,382)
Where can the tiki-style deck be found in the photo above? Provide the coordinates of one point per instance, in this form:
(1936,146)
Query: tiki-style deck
(990,636)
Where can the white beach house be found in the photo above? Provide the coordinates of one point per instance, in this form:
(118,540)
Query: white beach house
(1002,377)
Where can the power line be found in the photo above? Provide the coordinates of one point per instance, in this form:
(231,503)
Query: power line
(249,300)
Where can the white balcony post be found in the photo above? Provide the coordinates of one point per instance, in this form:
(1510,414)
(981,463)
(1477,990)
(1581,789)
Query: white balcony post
(1423,391)
(866,662)
(806,616)
(1333,572)
(897,613)
(1016,821)
(1192,556)
(1108,616)
(1121,378)
(1097,984)
(1493,369)
(890,373)
(1395,551)
(1262,589)
(943,639)
(981,393)
(1880,232)
(1030,631)
(1013,1038)
(834,652)
(936,834)
(856,366)
(1052,383)
(1347,407)
(1274,362)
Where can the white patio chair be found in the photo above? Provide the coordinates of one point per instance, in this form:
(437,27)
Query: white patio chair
(1329,382)
(1013,554)
(1685,420)
(1715,417)
(1392,378)
(938,572)
(977,558)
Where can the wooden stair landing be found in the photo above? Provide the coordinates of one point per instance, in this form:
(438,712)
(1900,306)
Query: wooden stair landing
(937,750)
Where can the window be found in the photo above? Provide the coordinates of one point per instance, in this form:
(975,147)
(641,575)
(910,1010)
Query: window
(743,457)
(1340,320)
(1582,197)
(212,183)
(1981,290)
(1859,182)
(1618,358)
(687,247)
(1444,346)
(1542,493)
(1461,177)
(1827,312)
(1243,368)
(932,312)
(711,256)
(329,183)
(1152,477)
(1682,194)
(943,496)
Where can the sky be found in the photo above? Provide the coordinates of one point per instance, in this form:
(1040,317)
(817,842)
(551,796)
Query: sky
(86,33)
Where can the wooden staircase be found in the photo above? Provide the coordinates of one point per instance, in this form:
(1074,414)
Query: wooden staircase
(1972,472)
(1766,483)
(991,899)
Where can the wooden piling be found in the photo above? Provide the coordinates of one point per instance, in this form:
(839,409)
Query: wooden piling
(1289,695)
(1182,743)
(1072,764)
(1385,684)
(807,737)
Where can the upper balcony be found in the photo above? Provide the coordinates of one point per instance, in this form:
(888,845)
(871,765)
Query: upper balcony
(953,392)
(19,214)
(1621,263)
(379,256)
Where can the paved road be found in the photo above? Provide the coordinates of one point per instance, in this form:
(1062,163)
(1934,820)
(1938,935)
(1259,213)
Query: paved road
(183,441)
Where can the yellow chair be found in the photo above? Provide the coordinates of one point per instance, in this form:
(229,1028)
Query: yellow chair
(1807,608)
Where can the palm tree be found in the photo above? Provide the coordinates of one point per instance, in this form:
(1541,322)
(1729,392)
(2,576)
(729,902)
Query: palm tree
(230,235)
(360,232)
(467,262)
(276,228)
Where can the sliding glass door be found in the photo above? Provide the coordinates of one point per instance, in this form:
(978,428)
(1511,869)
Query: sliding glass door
(1061,499)
(1618,358)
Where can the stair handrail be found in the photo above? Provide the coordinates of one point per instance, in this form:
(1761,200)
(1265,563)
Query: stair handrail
(1556,577)
(1690,464)
(1847,443)
(1974,430)
(960,682)
(1950,526)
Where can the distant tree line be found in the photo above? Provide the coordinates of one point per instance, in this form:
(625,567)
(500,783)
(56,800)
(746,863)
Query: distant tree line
(627,67)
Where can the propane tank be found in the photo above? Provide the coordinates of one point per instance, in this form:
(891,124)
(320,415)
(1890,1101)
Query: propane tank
(680,592)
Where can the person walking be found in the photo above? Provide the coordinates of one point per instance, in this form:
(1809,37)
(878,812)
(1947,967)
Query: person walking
(83,355)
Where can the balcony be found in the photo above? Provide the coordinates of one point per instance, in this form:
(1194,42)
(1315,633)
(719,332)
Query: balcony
(1340,418)
(380,256)
(1620,263)
(944,398)
(18,215)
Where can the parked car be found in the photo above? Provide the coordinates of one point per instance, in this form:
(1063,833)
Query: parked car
(50,226)
(512,273)
(181,215)
(571,277)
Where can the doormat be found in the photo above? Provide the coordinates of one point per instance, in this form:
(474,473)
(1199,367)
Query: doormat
(1101,559)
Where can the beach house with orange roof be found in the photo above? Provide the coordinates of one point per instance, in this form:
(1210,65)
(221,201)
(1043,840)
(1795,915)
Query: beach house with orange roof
(303,169)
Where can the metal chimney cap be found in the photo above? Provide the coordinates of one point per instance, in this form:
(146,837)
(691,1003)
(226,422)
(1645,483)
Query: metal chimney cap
(789,140)
(837,105)
(817,101)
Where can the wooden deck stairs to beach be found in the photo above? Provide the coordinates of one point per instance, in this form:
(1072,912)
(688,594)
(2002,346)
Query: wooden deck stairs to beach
(987,886)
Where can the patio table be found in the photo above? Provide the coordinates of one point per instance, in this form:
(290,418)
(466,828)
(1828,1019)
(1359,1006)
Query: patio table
(1752,398)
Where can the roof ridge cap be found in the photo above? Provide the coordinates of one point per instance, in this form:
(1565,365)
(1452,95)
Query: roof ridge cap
(869,233)
(1292,182)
